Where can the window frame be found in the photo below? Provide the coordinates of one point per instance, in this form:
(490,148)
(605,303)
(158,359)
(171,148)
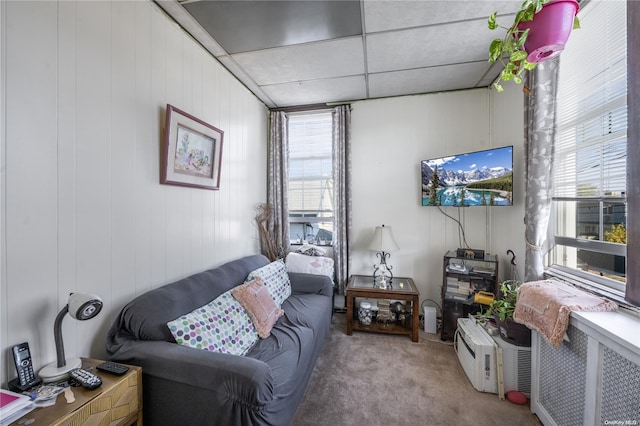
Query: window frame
(632,290)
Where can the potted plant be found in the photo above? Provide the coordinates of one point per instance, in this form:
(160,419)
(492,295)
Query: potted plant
(502,309)
(538,33)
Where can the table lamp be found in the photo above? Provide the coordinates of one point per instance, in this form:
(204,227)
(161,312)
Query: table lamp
(383,242)
(81,307)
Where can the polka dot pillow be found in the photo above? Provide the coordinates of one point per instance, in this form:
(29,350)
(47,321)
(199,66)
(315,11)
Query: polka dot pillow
(219,326)
(275,277)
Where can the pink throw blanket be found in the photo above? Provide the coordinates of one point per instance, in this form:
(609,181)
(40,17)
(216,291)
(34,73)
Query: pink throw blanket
(544,306)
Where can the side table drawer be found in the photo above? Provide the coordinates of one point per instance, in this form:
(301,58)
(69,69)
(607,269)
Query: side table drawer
(118,402)
(118,406)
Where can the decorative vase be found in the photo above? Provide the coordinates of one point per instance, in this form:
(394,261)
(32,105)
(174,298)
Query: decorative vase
(549,30)
(364,313)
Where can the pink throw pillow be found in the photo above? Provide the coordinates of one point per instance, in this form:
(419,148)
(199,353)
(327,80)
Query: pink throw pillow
(255,298)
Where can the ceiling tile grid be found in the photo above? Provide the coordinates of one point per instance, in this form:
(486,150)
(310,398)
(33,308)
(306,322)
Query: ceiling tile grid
(302,52)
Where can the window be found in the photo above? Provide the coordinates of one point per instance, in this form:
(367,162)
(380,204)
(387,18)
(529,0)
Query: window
(310,178)
(590,160)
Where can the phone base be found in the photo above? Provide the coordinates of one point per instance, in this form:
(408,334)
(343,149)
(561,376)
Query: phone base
(53,373)
(15,386)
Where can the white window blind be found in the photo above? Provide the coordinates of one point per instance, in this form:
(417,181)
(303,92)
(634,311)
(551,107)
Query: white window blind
(591,123)
(590,159)
(310,163)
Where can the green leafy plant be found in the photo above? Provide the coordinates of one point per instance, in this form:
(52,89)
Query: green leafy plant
(504,307)
(618,234)
(510,49)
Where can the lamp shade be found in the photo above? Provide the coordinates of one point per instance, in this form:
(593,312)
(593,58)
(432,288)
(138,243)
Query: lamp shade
(383,240)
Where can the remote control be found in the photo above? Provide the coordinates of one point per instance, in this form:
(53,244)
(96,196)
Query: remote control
(112,368)
(87,380)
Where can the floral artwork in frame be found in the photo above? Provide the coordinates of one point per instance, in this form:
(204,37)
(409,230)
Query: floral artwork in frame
(192,151)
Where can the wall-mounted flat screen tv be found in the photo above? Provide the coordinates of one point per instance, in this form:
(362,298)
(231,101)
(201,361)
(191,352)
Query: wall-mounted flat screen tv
(481,178)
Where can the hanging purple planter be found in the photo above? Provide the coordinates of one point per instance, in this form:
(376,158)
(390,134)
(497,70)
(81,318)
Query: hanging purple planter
(549,30)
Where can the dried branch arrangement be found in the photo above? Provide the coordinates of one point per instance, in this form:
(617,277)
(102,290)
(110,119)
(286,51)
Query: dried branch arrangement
(268,244)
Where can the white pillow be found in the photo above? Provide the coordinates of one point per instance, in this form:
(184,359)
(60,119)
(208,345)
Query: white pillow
(317,265)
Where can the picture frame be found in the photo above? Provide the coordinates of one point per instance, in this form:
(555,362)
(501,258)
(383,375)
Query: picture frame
(192,151)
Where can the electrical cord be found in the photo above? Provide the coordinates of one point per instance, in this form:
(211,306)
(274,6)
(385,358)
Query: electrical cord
(460,227)
(432,301)
(442,342)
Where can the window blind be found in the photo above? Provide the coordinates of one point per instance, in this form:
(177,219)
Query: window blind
(591,122)
(310,164)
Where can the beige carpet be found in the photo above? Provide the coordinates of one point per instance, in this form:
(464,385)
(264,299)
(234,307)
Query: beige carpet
(377,379)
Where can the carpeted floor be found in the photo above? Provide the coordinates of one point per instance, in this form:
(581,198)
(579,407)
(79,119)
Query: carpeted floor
(377,379)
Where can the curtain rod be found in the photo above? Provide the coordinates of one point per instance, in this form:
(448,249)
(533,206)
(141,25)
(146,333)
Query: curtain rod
(301,108)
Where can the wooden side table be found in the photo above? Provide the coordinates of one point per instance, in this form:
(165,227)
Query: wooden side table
(118,401)
(362,286)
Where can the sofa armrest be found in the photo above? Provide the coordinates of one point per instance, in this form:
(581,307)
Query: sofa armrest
(311,283)
(237,377)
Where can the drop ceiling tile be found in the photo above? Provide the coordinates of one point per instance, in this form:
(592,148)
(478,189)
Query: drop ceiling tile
(393,14)
(304,62)
(317,91)
(247,25)
(191,25)
(239,73)
(428,46)
(426,80)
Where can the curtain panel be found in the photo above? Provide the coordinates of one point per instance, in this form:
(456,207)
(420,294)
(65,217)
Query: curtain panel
(540,113)
(278,182)
(342,193)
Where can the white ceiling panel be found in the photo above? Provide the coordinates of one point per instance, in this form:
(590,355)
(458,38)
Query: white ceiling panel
(317,91)
(296,52)
(394,14)
(428,46)
(425,80)
(241,75)
(302,62)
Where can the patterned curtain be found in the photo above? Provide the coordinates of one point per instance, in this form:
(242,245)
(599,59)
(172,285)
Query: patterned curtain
(277,182)
(540,113)
(342,193)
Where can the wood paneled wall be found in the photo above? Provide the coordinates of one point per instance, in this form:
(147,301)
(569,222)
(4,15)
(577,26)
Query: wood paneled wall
(85,85)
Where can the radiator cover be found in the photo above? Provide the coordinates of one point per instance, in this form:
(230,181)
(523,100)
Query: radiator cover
(592,379)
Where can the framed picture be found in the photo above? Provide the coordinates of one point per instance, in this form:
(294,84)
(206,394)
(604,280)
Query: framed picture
(192,151)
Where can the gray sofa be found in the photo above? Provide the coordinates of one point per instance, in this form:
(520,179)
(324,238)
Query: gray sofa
(186,386)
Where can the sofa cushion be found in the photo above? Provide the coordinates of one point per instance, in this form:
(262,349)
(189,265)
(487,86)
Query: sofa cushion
(219,326)
(257,301)
(275,277)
